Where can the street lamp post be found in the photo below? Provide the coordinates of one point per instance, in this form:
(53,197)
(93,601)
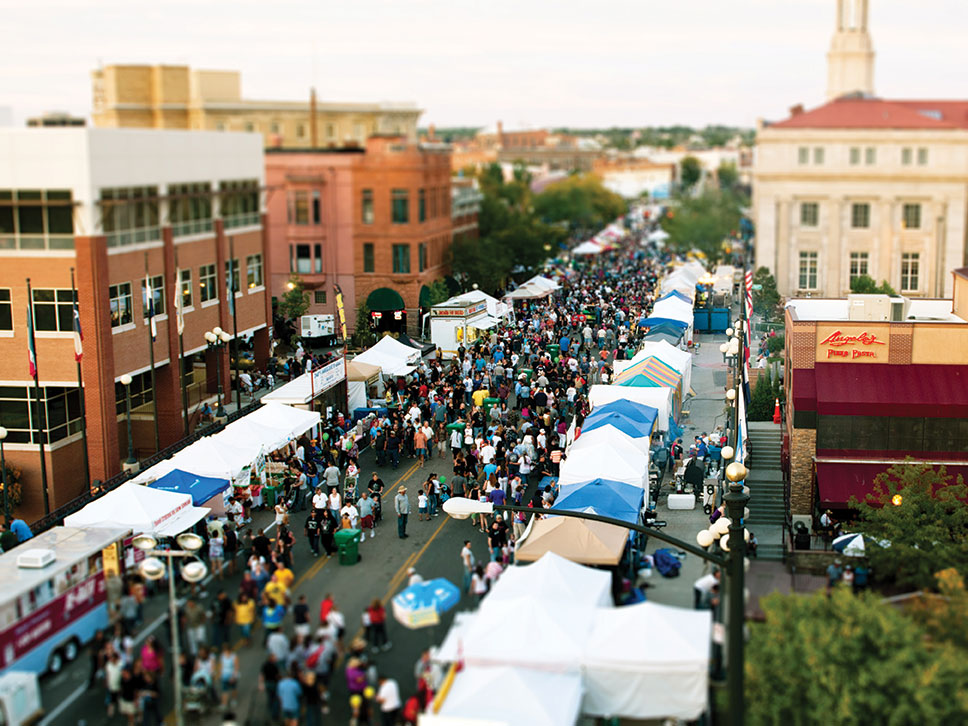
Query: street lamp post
(152,568)
(3,476)
(217,339)
(734,563)
(131,463)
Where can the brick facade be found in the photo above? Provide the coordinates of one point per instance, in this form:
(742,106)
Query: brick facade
(803,445)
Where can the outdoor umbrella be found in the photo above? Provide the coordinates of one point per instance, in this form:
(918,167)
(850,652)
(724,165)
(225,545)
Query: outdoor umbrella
(855,544)
(422,603)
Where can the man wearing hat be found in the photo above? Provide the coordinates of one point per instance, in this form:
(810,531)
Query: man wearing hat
(401,505)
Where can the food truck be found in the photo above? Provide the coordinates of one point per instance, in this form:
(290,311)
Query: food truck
(457,323)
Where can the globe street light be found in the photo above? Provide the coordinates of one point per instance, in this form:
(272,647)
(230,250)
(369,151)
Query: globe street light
(131,463)
(152,568)
(216,339)
(462,508)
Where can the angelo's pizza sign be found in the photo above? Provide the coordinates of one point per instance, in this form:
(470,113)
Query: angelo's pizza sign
(839,345)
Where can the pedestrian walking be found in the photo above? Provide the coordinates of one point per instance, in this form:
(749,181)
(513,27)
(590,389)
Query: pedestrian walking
(401,505)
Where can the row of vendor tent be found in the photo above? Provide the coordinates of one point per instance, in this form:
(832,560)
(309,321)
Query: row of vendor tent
(683,279)
(573,653)
(301,390)
(537,287)
(229,455)
(391,356)
(141,509)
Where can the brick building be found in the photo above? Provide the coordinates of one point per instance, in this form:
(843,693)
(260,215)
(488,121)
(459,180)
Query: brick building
(117,206)
(870,380)
(377,221)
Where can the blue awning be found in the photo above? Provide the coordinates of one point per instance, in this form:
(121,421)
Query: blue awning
(608,498)
(635,429)
(629,409)
(652,322)
(202,488)
(676,293)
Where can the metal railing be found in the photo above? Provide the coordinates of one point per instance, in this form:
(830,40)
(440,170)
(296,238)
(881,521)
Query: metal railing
(75,505)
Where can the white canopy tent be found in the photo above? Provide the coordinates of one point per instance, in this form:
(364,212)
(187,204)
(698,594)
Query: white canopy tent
(359,376)
(647,661)
(543,283)
(527,292)
(658,398)
(678,284)
(555,580)
(541,642)
(725,276)
(141,509)
(209,456)
(588,248)
(659,235)
(614,459)
(495,308)
(607,434)
(288,421)
(669,354)
(393,357)
(674,308)
(503,696)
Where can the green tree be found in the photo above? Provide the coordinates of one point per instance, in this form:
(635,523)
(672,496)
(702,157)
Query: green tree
(919,512)
(484,261)
(766,298)
(763,401)
(865,285)
(690,171)
(728,175)
(363,335)
(851,661)
(703,223)
(438,292)
(776,344)
(581,200)
(292,306)
(944,615)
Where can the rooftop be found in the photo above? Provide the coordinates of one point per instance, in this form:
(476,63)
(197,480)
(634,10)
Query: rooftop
(824,310)
(852,112)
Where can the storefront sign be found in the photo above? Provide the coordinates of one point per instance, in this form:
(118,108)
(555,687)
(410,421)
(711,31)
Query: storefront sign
(327,376)
(459,312)
(843,344)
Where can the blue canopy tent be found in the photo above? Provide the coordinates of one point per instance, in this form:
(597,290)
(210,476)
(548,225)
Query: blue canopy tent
(676,293)
(629,409)
(608,498)
(652,322)
(635,429)
(202,488)
(669,333)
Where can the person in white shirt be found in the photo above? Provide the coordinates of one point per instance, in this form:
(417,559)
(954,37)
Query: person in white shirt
(413,577)
(320,499)
(350,512)
(488,453)
(388,696)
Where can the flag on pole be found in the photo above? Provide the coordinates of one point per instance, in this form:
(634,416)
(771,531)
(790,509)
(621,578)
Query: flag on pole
(78,335)
(179,307)
(150,305)
(231,286)
(748,285)
(341,311)
(31,347)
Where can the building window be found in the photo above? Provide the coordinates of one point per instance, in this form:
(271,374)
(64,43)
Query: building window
(249,126)
(317,259)
(240,203)
(317,208)
(319,296)
(368,255)
(157,296)
(803,155)
(367,206)
(910,271)
(207,284)
(190,208)
(253,271)
(121,312)
(400,204)
(274,127)
(232,281)
(860,215)
(922,156)
(808,270)
(422,257)
(300,131)
(6,309)
(130,215)
(809,214)
(304,260)
(299,208)
(854,155)
(330,131)
(870,155)
(60,412)
(401,259)
(818,155)
(185,283)
(141,393)
(53,310)
(858,265)
(422,205)
(911,216)
(36,220)
(907,156)
(220,126)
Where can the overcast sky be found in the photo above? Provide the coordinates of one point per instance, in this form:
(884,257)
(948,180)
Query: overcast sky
(470,62)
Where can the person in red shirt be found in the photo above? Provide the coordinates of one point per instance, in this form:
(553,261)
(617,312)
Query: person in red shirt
(376,626)
(325,608)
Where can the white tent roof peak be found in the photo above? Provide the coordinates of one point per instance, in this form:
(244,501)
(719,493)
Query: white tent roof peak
(141,509)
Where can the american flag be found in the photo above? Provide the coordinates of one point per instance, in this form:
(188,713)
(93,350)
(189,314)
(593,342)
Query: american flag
(78,335)
(150,304)
(749,311)
(31,348)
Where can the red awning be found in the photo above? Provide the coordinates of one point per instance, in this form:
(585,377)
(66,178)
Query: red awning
(840,480)
(804,390)
(875,389)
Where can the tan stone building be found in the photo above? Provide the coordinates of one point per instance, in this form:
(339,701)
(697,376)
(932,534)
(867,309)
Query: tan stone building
(179,97)
(862,185)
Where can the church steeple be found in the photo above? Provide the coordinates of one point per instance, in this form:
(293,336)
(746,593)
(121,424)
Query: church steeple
(850,62)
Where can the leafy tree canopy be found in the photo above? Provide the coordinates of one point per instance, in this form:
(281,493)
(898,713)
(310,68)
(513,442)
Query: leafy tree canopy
(766,298)
(690,171)
(581,200)
(921,512)
(851,661)
(728,175)
(865,285)
(703,222)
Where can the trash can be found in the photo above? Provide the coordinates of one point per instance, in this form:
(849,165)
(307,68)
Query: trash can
(490,403)
(555,350)
(527,373)
(269,496)
(348,543)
